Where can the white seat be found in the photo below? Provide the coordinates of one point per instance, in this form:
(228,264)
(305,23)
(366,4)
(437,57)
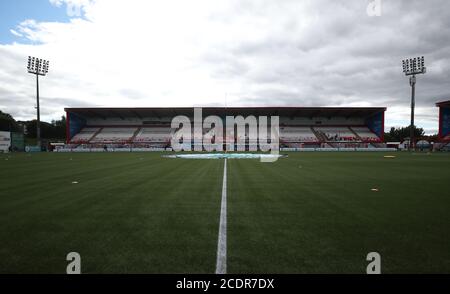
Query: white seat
(366,134)
(112,134)
(338,134)
(84,135)
(297,134)
(154,134)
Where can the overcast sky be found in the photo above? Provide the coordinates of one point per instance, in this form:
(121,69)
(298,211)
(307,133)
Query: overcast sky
(207,53)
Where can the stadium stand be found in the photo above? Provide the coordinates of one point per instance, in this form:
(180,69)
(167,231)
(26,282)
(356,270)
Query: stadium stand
(444,126)
(300,127)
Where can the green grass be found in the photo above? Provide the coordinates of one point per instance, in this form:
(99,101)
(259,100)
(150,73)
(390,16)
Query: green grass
(129,213)
(316,213)
(308,213)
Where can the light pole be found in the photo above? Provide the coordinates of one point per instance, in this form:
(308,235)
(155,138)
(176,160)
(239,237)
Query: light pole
(413,67)
(38,67)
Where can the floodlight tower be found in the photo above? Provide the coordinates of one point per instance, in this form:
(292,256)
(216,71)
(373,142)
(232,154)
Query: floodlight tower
(38,67)
(412,67)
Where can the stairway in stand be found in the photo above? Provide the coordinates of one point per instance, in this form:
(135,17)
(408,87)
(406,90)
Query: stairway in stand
(322,138)
(95,134)
(356,135)
(135,134)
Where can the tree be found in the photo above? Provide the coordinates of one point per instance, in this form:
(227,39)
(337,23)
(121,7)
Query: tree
(8,123)
(400,134)
(54,130)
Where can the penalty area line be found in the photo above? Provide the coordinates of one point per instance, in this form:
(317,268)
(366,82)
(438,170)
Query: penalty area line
(221,266)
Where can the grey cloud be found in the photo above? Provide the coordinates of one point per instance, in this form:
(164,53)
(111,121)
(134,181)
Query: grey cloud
(365,57)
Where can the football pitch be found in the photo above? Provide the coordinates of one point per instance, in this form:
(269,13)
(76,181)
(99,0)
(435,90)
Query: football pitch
(307,213)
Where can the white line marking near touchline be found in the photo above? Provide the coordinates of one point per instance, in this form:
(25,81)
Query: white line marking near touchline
(221,267)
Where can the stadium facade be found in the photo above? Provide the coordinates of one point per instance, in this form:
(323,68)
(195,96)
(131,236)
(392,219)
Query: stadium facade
(444,121)
(300,127)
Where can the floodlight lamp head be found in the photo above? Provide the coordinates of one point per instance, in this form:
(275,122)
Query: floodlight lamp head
(413,66)
(37,66)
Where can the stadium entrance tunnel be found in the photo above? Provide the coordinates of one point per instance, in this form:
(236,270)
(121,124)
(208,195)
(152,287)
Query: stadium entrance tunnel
(226,155)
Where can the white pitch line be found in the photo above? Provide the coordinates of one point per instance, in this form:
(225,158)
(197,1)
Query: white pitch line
(221,266)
